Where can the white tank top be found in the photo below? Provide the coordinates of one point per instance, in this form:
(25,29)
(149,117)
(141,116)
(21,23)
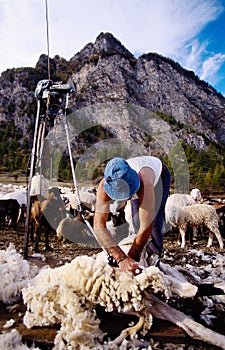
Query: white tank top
(137,163)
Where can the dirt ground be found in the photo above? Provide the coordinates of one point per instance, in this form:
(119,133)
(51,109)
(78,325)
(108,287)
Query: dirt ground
(163,335)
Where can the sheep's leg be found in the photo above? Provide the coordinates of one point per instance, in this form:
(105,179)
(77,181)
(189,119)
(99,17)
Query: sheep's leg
(179,238)
(201,231)
(218,236)
(130,331)
(182,233)
(37,238)
(32,232)
(131,229)
(14,223)
(195,232)
(47,232)
(210,240)
(195,330)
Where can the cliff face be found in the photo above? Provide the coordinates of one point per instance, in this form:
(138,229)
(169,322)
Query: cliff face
(151,81)
(105,72)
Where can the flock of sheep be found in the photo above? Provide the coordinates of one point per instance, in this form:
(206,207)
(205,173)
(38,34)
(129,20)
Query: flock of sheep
(60,212)
(183,209)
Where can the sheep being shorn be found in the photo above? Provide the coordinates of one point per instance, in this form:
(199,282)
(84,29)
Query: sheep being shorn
(67,296)
(196,216)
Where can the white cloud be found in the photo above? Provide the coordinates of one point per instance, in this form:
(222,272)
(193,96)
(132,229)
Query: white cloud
(193,56)
(168,27)
(211,66)
(163,26)
(20,30)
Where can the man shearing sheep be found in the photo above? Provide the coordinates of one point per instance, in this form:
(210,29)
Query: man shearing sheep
(145,181)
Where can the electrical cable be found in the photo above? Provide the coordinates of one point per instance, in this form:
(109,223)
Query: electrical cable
(47,34)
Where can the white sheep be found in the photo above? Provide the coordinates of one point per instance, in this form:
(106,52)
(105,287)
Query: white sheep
(67,296)
(88,199)
(196,195)
(173,205)
(198,215)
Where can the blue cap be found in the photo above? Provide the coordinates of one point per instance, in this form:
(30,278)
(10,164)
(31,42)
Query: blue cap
(122,182)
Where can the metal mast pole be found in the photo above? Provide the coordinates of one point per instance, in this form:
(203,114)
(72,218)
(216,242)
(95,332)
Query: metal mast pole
(33,153)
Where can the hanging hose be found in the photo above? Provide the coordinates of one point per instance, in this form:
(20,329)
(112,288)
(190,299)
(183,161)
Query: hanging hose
(76,188)
(70,155)
(111,260)
(72,168)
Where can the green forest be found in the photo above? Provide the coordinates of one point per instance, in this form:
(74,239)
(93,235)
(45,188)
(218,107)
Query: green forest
(14,150)
(206,168)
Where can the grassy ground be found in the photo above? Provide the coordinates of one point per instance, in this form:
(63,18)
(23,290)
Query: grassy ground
(10,179)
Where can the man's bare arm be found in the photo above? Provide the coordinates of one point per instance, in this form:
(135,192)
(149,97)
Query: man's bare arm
(100,218)
(146,212)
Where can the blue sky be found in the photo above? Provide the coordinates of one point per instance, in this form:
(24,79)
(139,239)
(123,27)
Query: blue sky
(189,31)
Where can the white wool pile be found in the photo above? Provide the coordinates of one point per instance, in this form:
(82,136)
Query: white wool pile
(13,341)
(59,304)
(67,295)
(15,273)
(214,270)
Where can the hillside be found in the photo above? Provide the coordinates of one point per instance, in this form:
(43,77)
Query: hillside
(146,103)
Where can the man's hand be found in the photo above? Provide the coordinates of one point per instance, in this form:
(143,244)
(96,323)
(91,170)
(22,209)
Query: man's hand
(130,265)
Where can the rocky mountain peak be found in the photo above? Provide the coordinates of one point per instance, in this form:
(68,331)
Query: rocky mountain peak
(105,44)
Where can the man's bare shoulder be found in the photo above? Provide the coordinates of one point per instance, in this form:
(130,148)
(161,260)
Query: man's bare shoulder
(147,175)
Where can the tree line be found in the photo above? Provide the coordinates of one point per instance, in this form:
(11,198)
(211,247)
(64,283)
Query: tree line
(206,167)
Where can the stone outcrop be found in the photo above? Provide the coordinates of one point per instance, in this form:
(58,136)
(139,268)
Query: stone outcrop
(105,72)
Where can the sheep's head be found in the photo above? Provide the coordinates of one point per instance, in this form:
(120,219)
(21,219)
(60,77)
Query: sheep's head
(54,193)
